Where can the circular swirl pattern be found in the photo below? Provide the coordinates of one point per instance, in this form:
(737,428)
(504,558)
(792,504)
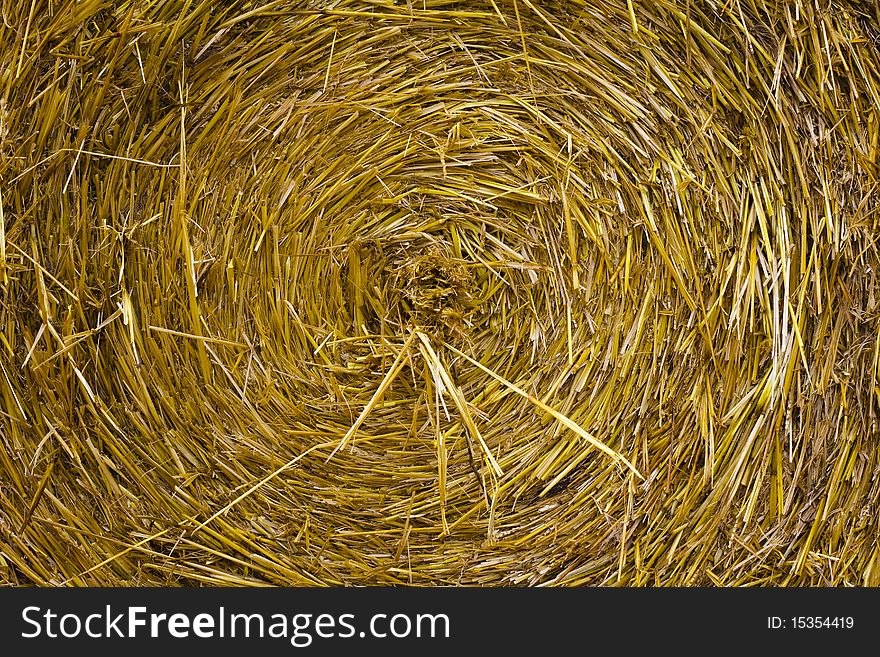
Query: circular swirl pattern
(436,292)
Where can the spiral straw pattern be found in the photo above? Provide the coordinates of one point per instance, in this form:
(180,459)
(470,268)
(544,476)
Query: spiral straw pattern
(496,292)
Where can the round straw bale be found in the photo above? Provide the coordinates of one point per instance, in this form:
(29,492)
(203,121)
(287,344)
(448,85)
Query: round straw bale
(496,292)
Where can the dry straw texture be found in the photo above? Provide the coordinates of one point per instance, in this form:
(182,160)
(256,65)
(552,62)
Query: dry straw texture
(482,292)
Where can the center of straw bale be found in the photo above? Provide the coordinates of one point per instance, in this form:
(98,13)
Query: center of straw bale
(435,293)
(406,285)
